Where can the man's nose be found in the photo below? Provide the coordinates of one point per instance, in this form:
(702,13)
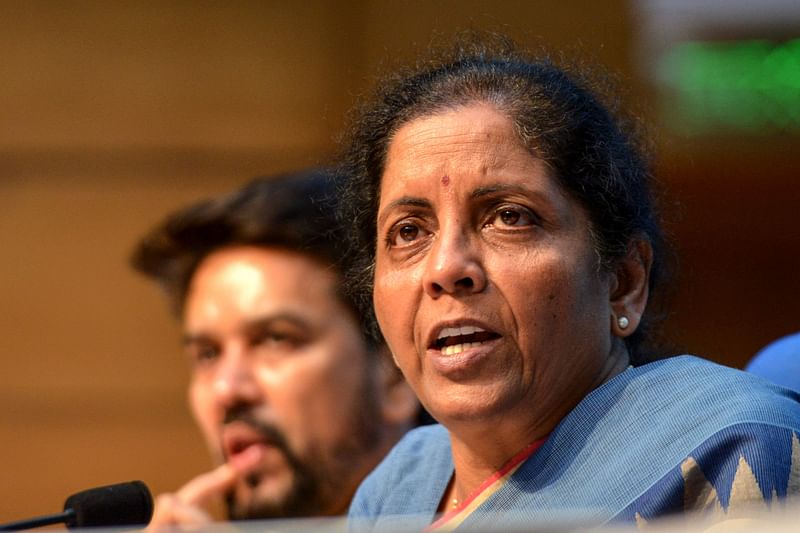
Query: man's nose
(234,380)
(454,265)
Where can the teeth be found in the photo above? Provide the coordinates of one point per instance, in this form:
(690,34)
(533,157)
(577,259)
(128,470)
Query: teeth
(455,332)
(458,348)
(449,332)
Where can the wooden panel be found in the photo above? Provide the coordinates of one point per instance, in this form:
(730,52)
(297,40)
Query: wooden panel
(185,73)
(733,212)
(92,379)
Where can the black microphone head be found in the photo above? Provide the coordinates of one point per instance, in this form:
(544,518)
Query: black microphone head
(123,504)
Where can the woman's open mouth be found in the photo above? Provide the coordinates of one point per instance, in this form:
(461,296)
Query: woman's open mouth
(454,340)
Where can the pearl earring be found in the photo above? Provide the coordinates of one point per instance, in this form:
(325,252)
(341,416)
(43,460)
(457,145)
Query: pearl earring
(623,322)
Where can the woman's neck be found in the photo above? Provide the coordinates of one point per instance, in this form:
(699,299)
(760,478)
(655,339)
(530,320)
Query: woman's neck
(482,447)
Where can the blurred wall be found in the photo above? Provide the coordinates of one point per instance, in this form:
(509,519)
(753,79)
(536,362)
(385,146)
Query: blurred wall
(115,113)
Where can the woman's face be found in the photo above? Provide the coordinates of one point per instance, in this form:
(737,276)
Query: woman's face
(487,287)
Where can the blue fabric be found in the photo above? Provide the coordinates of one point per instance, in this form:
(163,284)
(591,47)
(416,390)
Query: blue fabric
(623,451)
(765,449)
(779,362)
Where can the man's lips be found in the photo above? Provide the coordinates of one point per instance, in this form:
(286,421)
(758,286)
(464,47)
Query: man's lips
(248,459)
(237,437)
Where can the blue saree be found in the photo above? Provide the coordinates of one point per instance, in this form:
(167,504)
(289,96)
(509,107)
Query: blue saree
(673,436)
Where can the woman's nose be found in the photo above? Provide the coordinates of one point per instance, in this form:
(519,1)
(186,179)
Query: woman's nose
(234,380)
(454,265)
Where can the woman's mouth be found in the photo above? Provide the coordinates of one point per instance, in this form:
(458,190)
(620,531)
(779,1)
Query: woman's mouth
(454,340)
(459,348)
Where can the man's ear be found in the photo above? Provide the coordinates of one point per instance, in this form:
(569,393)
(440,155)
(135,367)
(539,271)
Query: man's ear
(630,287)
(399,404)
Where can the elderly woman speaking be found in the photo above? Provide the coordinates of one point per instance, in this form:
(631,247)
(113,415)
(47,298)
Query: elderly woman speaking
(506,234)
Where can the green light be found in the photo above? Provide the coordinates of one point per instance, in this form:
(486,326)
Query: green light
(744,86)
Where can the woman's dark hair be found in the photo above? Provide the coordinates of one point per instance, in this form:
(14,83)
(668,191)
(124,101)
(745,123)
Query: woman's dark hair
(558,115)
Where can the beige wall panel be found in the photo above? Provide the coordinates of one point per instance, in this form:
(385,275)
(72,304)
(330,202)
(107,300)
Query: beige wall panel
(92,378)
(601,30)
(166,73)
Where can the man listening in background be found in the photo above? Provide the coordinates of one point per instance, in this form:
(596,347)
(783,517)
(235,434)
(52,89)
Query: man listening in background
(296,406)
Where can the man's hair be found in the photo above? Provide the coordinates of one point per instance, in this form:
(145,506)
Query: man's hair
(295,211)
(564,118)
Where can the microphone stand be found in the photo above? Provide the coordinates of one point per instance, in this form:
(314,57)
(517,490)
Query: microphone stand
(39,521)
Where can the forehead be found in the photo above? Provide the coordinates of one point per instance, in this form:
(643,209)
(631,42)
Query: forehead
(261,278)
(479,126)
(463,146)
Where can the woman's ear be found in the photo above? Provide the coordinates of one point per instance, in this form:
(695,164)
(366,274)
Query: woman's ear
(630,287)
(399,404)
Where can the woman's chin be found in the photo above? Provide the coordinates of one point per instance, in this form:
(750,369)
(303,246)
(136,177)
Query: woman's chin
(474,402)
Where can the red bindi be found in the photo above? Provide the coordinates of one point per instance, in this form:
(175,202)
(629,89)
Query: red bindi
(445,180)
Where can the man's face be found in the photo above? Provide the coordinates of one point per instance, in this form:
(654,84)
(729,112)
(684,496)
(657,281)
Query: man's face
(279,365)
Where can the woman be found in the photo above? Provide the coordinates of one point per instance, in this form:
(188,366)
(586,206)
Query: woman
(507,237)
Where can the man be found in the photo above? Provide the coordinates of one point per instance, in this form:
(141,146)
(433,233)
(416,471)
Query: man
(295,404)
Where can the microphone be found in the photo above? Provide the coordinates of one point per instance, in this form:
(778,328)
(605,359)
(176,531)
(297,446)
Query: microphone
(122,504)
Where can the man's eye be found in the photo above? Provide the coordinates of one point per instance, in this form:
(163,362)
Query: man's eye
(276,339)
(204,353)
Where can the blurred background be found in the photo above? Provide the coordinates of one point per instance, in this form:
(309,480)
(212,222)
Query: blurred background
(113,114)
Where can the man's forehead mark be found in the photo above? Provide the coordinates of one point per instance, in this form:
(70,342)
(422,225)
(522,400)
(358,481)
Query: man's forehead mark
(445,180)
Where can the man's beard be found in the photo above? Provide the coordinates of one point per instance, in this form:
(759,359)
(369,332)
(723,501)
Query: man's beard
(304,494)
(317,478)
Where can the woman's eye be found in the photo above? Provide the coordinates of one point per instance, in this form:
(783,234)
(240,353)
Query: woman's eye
(508,216)
(408,233)
(404,234)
